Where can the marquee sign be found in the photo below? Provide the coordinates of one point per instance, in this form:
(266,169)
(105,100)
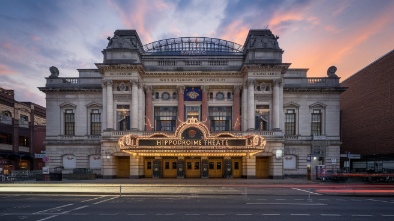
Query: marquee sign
(191,137)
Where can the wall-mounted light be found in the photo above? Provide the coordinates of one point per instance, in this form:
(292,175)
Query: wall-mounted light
(278,154)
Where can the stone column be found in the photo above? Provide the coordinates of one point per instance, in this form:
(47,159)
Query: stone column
(141,107)
(181,105)
(204,110)
(251,106)
(276,105)
(104,112)
(244,107)
(134,104)
(110,106)
(236,106)
(148,108)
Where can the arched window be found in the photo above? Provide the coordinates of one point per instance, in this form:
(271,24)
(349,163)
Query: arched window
(174,96)
(228,95)
(157,95)
(211,96)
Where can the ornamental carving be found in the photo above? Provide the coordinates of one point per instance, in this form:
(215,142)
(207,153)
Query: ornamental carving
(122,97)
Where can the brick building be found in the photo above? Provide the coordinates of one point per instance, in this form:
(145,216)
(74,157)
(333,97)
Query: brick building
(367,112)
(22,133)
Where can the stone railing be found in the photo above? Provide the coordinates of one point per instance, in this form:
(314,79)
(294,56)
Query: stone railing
(311,82)
(73,82)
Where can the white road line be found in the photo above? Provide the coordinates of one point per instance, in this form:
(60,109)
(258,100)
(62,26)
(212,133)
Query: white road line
(280,199)
(105,200)
(261,199)
(298,214)
(299,199)
(216,214)
(92,199)
(270,214)
(50,217)
(330,215)
(244,214)
(108,214)
(43,211)
(306,191)
(192,214)
(361,215)
(138,214)
(78,208)
(300,204)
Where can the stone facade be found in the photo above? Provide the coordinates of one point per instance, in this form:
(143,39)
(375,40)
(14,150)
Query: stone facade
(150,91)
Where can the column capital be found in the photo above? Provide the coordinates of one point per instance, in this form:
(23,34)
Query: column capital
(108,82)
(277,82)
(148,88)
(134,82)
(250,82)
(237,88)
(181,89)
(205,88)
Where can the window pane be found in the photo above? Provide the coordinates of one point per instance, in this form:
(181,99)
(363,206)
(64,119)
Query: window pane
(220,118)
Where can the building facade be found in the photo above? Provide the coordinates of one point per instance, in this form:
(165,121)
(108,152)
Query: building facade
(368,117)
(193,107)
(22,134)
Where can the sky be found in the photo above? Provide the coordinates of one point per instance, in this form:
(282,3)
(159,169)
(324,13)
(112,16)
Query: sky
(314,34)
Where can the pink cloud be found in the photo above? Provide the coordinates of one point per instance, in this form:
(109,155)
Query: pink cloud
(4,70)
(235,32)
(139,17)
(35,38)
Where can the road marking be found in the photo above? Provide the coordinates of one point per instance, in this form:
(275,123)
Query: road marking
(137,214)
(43,211)
(280,199)
(78,208)
(261,199)
(383,201)
(361,215)
(330,214)
(299,199)
(270,214)
(306,191)
(50,217)
(323,199)
(105,200)
(299,214)
(192,214)
(300,204)
(108,214)
(216,214)
(92,199)
(244,214)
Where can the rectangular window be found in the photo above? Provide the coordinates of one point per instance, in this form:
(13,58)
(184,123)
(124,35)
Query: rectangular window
(23,141)
(165,118)
(5,138)
(123,117)
(69,122)
(220,118)
(316,122)
(290,122)
(95,122)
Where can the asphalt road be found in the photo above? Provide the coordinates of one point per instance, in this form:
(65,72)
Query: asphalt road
(285,204)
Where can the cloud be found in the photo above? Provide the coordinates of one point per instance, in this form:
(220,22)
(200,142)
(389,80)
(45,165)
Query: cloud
(5,70)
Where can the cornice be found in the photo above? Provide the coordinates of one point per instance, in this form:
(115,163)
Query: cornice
(120,67)
(283,67)
(313,90)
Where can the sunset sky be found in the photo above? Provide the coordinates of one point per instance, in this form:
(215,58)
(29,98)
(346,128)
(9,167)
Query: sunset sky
(70,35)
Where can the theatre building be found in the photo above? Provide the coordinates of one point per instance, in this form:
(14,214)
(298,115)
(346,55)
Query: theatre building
(192,107)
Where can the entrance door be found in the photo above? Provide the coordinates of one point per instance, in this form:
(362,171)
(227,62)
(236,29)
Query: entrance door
(123,167)
(215,168)
(148,167)
(262,167)
(237,167)
(193,168)
(169,168)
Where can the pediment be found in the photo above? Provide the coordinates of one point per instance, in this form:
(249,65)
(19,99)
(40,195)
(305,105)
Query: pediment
(67,104)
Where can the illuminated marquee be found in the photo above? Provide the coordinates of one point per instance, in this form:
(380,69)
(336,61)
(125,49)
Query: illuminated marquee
(191,137)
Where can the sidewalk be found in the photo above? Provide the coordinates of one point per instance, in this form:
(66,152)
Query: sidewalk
(151,186)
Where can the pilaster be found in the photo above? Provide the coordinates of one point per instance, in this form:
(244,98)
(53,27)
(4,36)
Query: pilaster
(236,106)
(181,105)
(204,110)
(148,108)
(110,105)
(104,113)
(251,106)
(134,104)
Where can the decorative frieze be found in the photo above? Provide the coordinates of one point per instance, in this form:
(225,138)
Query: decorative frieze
(122,97)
